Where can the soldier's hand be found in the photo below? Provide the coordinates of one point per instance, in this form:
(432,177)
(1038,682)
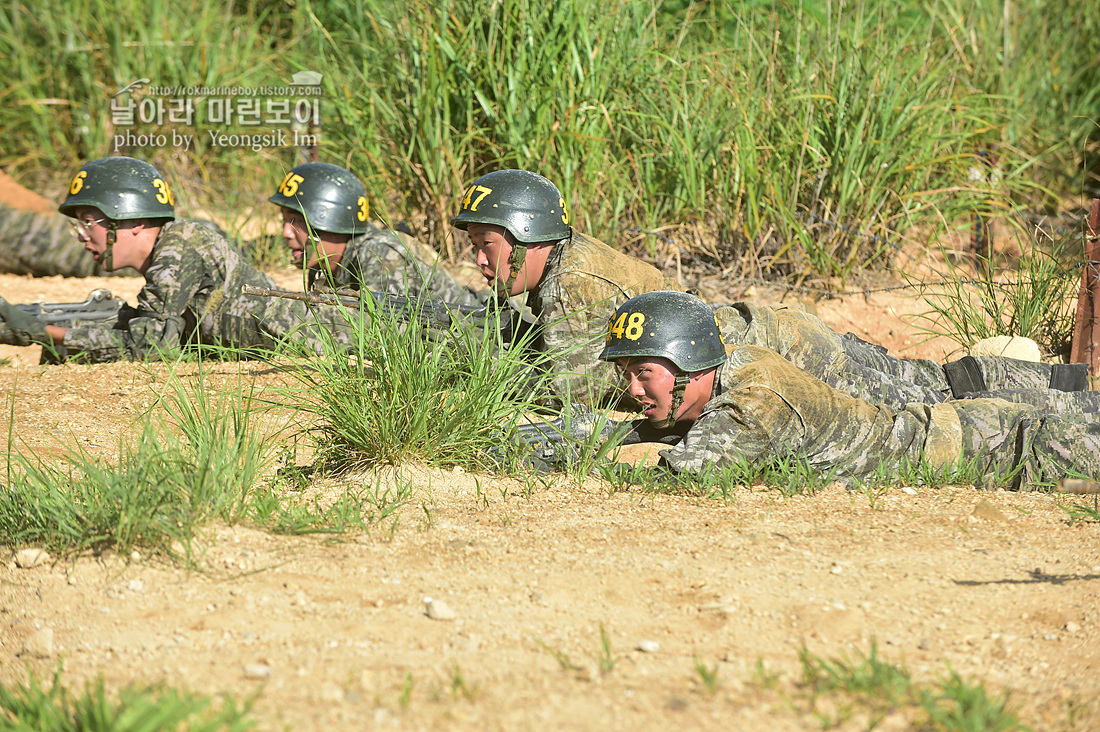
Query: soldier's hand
(511,455)
(19,329)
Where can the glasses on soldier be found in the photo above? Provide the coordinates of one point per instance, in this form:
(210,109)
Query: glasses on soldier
(85,226)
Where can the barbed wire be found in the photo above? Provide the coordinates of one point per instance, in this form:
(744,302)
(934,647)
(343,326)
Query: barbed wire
(945,278)
(945,282)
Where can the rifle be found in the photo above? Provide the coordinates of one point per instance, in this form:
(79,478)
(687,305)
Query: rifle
(556,444)
(101,306)
(428,312)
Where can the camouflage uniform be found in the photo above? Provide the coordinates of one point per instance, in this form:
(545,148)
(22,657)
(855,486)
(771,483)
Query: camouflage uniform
(41,245)
(764,407)
(393,264)
(585,281)
(859,368)
(192,296)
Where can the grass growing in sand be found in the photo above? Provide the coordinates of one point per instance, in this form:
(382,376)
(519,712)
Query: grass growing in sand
(839,689)
(1035,298)
(33,706)
(194,456)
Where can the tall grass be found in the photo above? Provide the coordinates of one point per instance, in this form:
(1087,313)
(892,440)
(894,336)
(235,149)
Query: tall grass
(1034,298)
(65,61)
(447,91)
(791,131)
(1042,61)
(800,136)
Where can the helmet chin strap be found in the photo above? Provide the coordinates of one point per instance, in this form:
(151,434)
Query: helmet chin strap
(108,260)
(678,388)
(515,264)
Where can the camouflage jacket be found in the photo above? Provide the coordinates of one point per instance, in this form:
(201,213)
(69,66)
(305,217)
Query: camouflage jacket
(192,296)
(764,408)
(584,284)
(41,245)
(395,264)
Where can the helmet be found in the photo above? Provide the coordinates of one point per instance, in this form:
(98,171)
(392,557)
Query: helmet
(122,188)
(665,324)
(331,198)
(526,204)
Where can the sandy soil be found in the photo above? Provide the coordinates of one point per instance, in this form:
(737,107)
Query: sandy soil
(328,635)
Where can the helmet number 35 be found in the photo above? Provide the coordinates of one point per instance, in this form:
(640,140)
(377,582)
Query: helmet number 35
(628,325)
(164,193)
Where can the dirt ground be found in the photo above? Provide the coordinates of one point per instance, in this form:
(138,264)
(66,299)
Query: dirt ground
(334,634)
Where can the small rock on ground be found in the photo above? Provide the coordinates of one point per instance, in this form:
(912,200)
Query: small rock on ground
(1019,347)
(40,644)
(257,671)
(438,610)
(27,558)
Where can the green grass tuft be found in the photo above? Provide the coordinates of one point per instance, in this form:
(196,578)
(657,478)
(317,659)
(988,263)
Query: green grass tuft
(31,706)
(953,704)
(388,392)
(196,456)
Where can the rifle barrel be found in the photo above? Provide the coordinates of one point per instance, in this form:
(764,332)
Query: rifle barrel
(426,310)
(310,297)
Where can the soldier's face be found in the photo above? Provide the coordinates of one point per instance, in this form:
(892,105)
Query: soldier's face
(650,381)
(304,252)
(494,247)
(91,230)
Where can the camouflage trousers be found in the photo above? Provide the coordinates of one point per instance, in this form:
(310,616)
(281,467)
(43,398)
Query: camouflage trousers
(1003,437)
(871,373)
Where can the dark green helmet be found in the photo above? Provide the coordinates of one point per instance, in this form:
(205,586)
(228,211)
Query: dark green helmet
(122,188)
(672,325)
(526,204)
(331,198)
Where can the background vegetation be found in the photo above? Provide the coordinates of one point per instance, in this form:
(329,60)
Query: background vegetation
(784,138)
